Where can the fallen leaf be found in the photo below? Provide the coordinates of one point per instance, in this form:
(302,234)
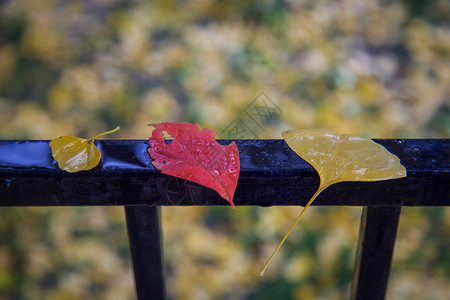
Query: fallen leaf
(75,154)
(196,156)
(340,158)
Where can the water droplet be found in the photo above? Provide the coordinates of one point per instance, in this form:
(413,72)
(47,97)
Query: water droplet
(416,150)
(8,181)
(261,143)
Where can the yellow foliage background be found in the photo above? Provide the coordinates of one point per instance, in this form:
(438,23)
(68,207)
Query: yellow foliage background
(375,68)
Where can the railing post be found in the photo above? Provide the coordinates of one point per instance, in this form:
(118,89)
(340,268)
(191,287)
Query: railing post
(375,249)
(144,234)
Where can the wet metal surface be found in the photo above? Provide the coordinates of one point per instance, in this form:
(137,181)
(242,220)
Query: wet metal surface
(271,174)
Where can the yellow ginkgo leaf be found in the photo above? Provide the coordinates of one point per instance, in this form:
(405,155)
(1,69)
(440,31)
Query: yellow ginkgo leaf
(340,158)
(76,154)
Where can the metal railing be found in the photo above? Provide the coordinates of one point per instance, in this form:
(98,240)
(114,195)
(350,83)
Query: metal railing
(271,174)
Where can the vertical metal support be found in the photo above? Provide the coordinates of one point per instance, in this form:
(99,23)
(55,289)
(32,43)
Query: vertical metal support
(374,255)
(144,234)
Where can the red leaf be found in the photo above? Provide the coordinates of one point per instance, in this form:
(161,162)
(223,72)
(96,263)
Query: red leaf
(196,156)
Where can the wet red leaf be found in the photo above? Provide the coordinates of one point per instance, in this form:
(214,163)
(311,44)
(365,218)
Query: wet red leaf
(195,155)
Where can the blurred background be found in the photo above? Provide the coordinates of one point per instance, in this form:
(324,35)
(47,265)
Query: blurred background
(375,68)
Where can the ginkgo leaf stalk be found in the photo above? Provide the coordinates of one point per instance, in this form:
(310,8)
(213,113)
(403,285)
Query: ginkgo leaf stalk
(104,133)
(263,270)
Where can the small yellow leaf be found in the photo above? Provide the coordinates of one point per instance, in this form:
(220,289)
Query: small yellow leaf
(76,154)
(340,158)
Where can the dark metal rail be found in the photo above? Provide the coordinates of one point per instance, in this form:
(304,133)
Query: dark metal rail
(271,174)
(144,234)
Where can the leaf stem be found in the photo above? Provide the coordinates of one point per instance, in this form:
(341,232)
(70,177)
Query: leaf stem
(263,270)
(104,133)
